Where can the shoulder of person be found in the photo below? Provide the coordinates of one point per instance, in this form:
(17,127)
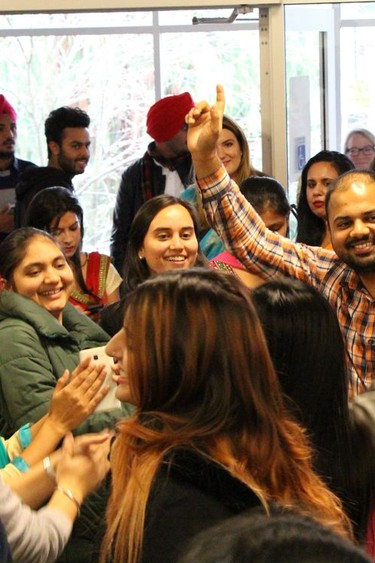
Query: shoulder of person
(82,328)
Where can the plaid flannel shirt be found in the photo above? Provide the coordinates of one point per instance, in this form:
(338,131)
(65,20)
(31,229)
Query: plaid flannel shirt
(268,254)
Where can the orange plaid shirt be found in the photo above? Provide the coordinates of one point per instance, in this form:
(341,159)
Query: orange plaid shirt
(268,254)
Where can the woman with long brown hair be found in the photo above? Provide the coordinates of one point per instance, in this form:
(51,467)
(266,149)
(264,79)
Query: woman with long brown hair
(210,436)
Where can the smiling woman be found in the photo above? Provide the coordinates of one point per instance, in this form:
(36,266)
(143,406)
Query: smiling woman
(43,276)
(96,281)
(163,236)
(41,335)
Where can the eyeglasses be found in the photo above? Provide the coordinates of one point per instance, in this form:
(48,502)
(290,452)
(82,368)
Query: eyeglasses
(367,150)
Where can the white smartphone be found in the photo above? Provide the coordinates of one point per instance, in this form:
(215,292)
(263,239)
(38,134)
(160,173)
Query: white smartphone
(99,356)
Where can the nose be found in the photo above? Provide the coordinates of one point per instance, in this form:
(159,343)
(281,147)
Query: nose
(85,152)
(359,229)
(319,189)
(176,242)
(220,152)
(66,237)
(51,276)
(112,348)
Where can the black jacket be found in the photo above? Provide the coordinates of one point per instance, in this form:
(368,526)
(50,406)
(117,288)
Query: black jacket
(32,181)
(190,494)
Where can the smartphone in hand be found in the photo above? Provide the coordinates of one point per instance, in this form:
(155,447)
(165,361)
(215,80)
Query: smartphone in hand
(99,356)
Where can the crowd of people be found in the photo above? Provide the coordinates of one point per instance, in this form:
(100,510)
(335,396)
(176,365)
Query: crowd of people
(243,360)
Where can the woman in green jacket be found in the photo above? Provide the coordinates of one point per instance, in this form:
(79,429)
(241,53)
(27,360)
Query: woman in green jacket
(41,335)
(40,332)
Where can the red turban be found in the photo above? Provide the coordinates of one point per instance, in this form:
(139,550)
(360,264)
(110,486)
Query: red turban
(167,116)
(5,107)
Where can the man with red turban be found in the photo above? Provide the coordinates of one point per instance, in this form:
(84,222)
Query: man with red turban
(10,166)
(164,168)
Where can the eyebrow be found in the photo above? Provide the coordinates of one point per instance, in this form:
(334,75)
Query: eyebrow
(80,143)
(39,264)
(324,178)
(170,228)
(68,227)
(364,214)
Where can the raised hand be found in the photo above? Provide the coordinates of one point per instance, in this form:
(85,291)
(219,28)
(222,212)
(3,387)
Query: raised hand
(205,124)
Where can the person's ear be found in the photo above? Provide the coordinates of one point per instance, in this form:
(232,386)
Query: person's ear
(141,253)
(54,148)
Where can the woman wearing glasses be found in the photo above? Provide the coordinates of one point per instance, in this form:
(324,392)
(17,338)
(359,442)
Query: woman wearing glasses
(360,147)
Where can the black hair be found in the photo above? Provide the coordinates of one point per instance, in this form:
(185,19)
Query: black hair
(308,352)
(136,270)
(263,192)
(61,118)
(311,228)
(282,537)
(14,247)
(45,211)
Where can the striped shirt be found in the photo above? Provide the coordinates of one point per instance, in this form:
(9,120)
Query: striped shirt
(268,254)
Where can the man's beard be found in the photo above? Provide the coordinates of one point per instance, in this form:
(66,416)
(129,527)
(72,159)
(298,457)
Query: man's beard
(6,155)
(361,265)
(360,268)
(67,165)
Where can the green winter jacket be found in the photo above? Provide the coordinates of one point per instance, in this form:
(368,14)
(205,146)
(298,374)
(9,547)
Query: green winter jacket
(34,352)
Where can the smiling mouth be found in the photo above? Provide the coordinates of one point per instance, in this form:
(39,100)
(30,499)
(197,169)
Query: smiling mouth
(50,292)
(119,379)
(175,258)
(362,246)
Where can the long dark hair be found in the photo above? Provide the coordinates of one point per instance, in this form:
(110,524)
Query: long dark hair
(46,209)
(311,228)
(135,270)
(308,352)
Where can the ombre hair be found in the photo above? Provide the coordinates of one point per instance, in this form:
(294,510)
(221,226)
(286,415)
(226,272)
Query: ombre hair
(211,388)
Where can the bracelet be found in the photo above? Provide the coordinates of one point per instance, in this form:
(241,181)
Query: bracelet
(47,466)
(68,493)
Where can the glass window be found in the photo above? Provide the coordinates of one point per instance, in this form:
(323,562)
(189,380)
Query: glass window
(357,10)
(114,77)
(357,80)
(72,20)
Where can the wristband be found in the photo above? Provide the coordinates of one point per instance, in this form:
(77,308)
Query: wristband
(24,435)
(68,493)
(21,464)
(47,466)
